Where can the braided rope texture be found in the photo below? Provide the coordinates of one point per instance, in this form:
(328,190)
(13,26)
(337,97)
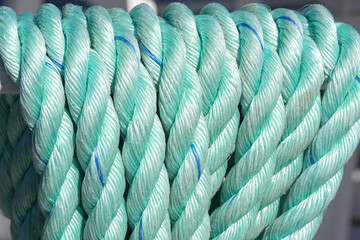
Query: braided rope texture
(180,126)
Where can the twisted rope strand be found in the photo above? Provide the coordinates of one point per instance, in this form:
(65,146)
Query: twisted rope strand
(144,138)
(164,55)
(42,105)
(19,180)
(330,149)
(6,150)
(301,94)
(247,82)
(88,94)
(245,183)
(218,76)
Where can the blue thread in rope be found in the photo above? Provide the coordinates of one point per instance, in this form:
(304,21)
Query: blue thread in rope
(122,134)
(129,44)
(152,56)
(357,78)
(197,159)
(254,31)
(292,21)
(36,152)
(289,237)
(98,166)
(311,156)
(53,68)
(17,215)
(232,199)
(140,234)
(57,64)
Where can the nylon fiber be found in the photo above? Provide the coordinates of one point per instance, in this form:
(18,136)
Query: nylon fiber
(178,126)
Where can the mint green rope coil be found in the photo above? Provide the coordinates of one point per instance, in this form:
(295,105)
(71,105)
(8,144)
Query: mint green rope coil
(143,135)
(179,101)
(135,104)
(221,86)
(261,127)
(301,94)
(18,178)
(42,105)
(6,150)
(179,95)
(330,149)
(87,89)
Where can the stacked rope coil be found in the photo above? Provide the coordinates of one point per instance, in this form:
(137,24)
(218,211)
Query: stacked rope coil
(52,129)
(87,87)
(215,121)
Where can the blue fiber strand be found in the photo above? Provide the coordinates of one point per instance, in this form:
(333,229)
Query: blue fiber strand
(197,159)
(292,21)
(57,64)
(140,235)
(357,78)
(17,215)
(311,157)
(122,134)
(289,237)
(150,54)
(98,166)
(129,44)
(53,68)
(253,30)
(232,199)
(36,152)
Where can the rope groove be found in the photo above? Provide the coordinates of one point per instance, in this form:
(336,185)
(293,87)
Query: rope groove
(183,126)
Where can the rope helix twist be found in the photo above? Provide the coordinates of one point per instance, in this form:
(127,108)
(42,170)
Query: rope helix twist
(87,88)
(184,126)
(42,105)
(261,126)
(179,102)
(19,181)
(143,151)
(220,83)
(330,150)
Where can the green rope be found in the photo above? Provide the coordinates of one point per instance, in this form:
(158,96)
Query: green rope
(87,89)
(221,86)
(143,135)
(179,95)
(42,105)
(260,130)
(164,55)
(301,85)
(6,150)
(330,150)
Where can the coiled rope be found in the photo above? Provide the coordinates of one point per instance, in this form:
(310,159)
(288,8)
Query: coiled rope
(42,104)
(144,140)
(301,93)
(164,55)
(18,178)
(330,150)
(87,88)
(221,86)
(260,129)
(245,84)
